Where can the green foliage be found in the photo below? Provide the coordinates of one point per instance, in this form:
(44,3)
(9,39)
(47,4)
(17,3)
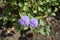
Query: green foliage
(48,30)
(1,2)
(45,31)
(25,28)
(42,22)
(42,31)
(39,9)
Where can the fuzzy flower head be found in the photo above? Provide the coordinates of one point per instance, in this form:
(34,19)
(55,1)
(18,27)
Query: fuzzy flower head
(33,22)
(24,21)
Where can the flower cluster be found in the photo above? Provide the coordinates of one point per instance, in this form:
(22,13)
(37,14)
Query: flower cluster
(34,22)
(25,21)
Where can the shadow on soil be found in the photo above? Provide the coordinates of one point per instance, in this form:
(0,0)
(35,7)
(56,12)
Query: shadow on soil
(25,35)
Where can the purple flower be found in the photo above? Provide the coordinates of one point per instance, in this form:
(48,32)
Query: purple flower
(24,21)
(33,22)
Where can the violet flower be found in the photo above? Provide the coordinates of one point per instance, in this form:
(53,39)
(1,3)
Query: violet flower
(33,22)
(24,21)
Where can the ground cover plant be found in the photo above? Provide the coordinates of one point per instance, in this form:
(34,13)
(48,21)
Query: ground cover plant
(33,15)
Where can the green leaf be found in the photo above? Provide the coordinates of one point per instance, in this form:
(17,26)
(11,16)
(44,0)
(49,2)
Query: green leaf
(53,0)
(56,3)
(13,2)
(1,2)
(33,1)
(17,27)
(25,3)
(25,8)
(46,14)
(31,28)
(8,11)
(1,18)
(40,9)
(35,11)
(37,17)
(34,29)
(30,16)
(25,28)
(13,19)
(42,31)
(48,1)
(56,9)
(21,14)
(31,11)
(48,30)
(5,18)
(49,10)
(40,3)
(20,4)
(53,14)
(42,22)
